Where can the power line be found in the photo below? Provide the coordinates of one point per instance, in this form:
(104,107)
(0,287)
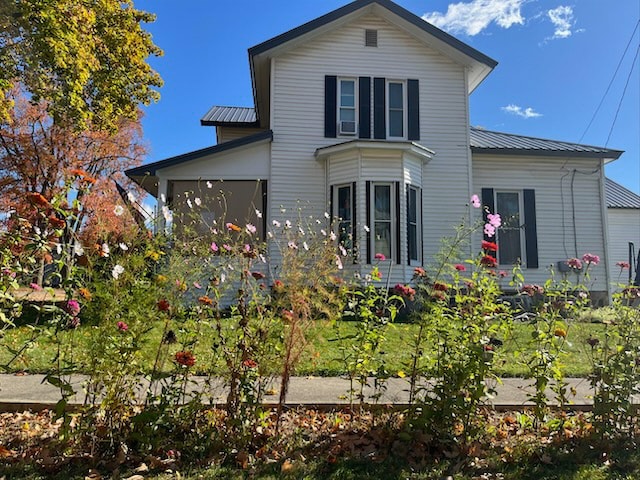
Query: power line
(615,118)
(624,54)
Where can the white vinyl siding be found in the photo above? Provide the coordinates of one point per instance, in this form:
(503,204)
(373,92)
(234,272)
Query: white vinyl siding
(624,227)
(226,134)
(550,178)
(298,124)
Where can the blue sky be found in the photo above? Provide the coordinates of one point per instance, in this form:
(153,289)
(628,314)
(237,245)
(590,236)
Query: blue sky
(556,60)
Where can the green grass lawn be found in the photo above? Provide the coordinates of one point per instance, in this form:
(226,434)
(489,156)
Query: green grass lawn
(321,357)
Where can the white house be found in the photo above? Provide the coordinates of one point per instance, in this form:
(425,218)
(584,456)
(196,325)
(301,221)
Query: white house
(364,112)
(623,212)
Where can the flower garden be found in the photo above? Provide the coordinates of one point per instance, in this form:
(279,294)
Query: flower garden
(145,317)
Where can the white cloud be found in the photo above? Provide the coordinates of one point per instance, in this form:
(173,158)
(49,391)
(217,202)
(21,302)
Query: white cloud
(473,17)
(524,113)
(562,19)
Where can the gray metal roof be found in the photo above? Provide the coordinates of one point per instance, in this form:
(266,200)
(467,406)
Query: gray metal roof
(239,116)
(620,197)
(485,141)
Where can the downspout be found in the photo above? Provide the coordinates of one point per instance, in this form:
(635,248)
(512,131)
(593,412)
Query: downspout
(469,158)
(605,231)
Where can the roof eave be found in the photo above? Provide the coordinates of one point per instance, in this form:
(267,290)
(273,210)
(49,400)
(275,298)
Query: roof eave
(607,156)
(478,64)
(146,175)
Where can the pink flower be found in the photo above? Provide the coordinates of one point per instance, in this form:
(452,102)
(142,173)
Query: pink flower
(494,219)
(251,229)
(489,230)
(123,327)
(623,265)
(532,290)
(475,201)
(72,307)
(459,267)
(339,263)
(590,258)
(197,285)
(214,247)
(574,263)
(35,286)
(227,247)
(502,274)
(380,257)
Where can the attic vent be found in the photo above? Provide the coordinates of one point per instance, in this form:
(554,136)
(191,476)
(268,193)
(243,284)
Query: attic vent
(371,38)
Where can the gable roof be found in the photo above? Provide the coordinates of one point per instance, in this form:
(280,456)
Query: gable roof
(478,64)
(146,175)
(488,142)
(620,197)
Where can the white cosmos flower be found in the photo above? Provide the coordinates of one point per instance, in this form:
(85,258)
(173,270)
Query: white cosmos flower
(105,250)
(258,213)
(124,247)
(197,201)
(209,185)
(118,210)
(326,215)
(305,245)
(77,249)
(276,223)
(58,248)
(366,229)
(333,237)
(131,197)
(117,271)
(189,203)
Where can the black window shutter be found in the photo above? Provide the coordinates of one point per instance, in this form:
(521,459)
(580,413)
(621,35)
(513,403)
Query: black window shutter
(370,226)
(354,221)
(332,193)
(398,250)
(488,206)
(408,239)
(379,106)
(530,228)
(413,110)
(330,106)
(364,105)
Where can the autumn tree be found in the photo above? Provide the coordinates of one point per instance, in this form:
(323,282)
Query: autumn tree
(86,58)
(41,160)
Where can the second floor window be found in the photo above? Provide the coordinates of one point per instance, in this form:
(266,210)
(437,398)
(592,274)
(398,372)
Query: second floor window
(347,107)
(396,110)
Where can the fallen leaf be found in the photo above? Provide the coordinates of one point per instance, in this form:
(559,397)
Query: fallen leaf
(286,467)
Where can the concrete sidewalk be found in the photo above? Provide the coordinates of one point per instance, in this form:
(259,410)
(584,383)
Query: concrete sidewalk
(22,392)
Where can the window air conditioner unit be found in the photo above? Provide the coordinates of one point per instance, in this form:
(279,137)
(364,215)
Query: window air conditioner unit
(348,128)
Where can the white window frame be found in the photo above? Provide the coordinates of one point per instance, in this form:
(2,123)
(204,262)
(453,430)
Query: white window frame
(392,218)
(340,107)
(417,261)
(336,210)
(523,245)
(405,115)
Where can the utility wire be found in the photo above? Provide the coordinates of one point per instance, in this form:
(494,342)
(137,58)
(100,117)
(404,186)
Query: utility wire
(622,97)
(624,54)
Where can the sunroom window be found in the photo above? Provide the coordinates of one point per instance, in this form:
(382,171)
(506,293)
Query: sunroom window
(343,210)
(382,221)
(413,224)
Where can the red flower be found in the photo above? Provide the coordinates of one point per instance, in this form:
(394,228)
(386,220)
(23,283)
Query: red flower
(380,257)
(623,265)
(419,272)
(459,267)
(488,261)
(186,359)
(532,290)
(405,291)
(489,246)
(248,363)
(123,327)
(440,287)
(164,305)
